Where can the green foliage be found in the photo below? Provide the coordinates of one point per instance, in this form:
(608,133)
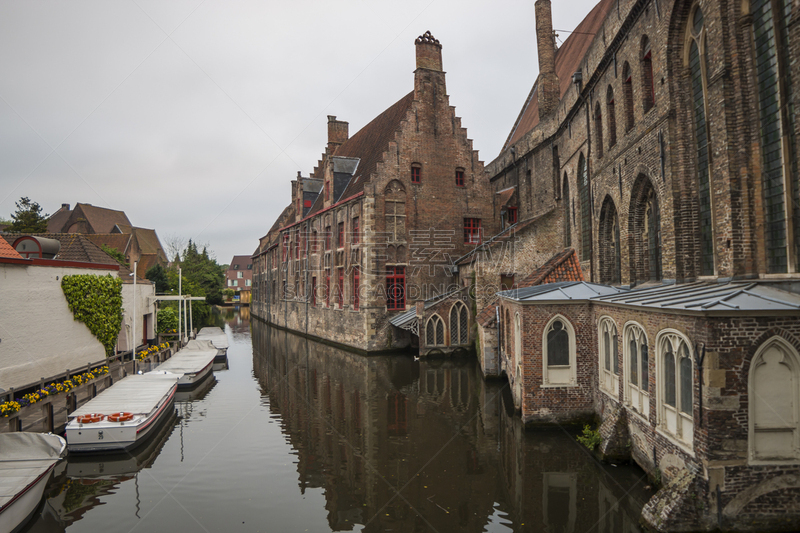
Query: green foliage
(590,438)
(167,319)
(97,302)
(118,256)
(158,275)
(228,293)
(28,217)
(204,272)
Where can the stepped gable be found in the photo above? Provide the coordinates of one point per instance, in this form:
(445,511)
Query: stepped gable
(369,145)
(563,266)
(568,60)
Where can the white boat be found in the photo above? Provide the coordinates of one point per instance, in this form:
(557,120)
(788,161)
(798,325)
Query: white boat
(218,338)
(122,416)
(192,364)
(26,462)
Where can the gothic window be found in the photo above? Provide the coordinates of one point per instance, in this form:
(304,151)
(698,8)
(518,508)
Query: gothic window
(395,211)
(648,87)
(675,383)
(586,217)
(434,331)
(609,249)
(644,233)
(609,356)
(558,351)
(774,392)
(627,95)
(770,26)
(565,199)
(356,286)
(518,343)
(612,117)
(698,69)
(459,324)
(598,130)
(636,366)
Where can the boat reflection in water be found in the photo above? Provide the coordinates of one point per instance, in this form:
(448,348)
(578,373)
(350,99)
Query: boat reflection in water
(405,445)
(84,480)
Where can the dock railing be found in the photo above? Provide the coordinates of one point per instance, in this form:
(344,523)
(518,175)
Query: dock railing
(49,413)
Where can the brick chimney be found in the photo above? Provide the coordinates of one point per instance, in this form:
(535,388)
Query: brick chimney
(429,52)
(338,133)
(548,90)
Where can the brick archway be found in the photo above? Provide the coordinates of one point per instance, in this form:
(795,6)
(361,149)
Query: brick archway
(609,243)
(644,233)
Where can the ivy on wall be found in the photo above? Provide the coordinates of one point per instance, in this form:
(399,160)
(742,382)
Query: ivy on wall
(97,302)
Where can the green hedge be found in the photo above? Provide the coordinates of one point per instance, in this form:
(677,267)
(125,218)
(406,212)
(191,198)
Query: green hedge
(97,302)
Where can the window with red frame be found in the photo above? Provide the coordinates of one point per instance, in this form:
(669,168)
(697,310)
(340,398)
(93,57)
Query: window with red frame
(314,291)
(340,238)
(396,288)
(328,287)
(472,230)
(356,282)
(459,178)
(512,215)
(285,247)
(340,289)
(416,173)
(356,234)
(327,237)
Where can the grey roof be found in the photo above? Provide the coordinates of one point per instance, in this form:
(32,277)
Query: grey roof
(404,319)
(312,184)
(563,290)
(347,165)
(709,296)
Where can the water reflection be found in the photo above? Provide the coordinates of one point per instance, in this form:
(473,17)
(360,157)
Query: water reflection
(417,446)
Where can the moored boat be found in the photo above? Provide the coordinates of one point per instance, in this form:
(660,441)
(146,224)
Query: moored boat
(26,462)
(218,338)
(192,364)
(122,416)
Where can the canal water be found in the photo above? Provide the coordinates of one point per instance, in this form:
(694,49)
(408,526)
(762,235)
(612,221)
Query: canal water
(299,436)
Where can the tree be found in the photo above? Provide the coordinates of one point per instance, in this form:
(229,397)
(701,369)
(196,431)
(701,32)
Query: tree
(158,275)
(118,256)
(28,218)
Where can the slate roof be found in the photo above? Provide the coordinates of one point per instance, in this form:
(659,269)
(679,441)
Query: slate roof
(568,60)
(369,145)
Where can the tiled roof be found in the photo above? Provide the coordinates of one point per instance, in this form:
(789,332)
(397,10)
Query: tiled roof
(369,145)
(8,251)
(563,266)
(55,224)
(487,317)
(242,261)
(568,60)
(76,247)
(505,195)
(146,262)
(99,219)
(112,240)
(502,237)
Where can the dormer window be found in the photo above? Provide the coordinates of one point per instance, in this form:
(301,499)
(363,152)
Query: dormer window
(416,173)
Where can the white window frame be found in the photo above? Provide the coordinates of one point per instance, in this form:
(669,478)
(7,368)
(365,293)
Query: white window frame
(560,375)
(636,397)
(609,380)
(790,353)
(433,320)
(672,422)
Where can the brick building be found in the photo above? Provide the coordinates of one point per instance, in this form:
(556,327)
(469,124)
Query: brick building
(239,278)
(659,142)
(375,227)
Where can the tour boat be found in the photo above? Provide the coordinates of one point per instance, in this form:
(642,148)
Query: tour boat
(122,416)
(192,364)
(218,338)
(26,461)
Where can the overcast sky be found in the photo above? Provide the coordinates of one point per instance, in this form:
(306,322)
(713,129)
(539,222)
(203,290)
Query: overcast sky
(194,116)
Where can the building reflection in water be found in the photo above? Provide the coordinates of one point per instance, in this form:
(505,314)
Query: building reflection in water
(401,445)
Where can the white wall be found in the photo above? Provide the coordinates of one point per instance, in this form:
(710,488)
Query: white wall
(144,306)
(39,336)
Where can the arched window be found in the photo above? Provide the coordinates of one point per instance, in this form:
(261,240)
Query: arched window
(774,391)
(566,200)
(644,233)
(612,118)
(459,324)
(598,130)
(779,176)
(697,66)
(637,369)
(648,87)
(609,246)
(627,95)
(675,383)
(559,353)
(434,331)
(586,216)
(609,356)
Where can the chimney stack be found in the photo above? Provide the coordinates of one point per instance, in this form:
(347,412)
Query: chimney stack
(338,133)
(429,52)
(548,89)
